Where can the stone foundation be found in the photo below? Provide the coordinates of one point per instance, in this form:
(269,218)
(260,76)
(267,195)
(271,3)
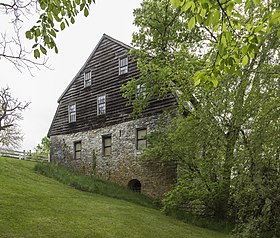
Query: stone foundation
(124,163)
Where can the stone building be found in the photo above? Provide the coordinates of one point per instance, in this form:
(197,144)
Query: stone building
(92,130)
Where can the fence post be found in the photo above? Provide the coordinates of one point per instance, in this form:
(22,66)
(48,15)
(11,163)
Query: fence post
(24,155)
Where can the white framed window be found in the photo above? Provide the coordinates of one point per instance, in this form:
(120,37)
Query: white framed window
(87,79)
(141,142)
(140,91)
(123,65)
(107,145)
(72,112)
(101,104)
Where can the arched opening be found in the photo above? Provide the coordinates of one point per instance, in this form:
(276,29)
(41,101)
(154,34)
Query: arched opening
(134,185)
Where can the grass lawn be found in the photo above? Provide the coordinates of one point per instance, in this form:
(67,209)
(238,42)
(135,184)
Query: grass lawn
(32,205)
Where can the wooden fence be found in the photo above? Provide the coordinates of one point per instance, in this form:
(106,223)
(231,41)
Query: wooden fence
(24,155)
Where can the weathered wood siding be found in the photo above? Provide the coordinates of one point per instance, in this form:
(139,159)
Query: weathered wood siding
(104,65)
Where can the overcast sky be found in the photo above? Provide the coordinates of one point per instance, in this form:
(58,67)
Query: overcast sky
(112,17)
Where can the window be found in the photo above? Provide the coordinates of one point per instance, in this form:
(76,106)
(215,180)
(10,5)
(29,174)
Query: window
(72,112)
(123,65)
(141,139)
(77,149)
(101,105)
(107,145)
(140,91)
(87,79)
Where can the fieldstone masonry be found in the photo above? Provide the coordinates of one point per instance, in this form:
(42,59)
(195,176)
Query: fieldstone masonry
(124,163)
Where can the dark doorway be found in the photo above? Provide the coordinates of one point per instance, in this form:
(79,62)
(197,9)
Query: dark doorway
(134,185)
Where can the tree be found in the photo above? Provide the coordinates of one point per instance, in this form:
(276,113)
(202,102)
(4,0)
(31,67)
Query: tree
(227,147)
(10,113)
(44,147)
(53,16)
(233,31)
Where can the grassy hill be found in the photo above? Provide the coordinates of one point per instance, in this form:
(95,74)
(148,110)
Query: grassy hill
(32,205)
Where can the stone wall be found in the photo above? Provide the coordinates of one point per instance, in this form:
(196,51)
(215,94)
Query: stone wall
(124,163)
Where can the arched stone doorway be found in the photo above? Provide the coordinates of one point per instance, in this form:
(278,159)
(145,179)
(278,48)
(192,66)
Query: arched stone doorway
(134,185)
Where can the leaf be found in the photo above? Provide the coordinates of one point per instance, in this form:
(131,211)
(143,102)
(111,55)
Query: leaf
(197,82)
(86,12)
(37,32)
(72,20)
(187,6)
(62,26)
(176,3)
(203,12)
(257,2)
(77,2)
(36,53)
(191,23)
(28,35)
(43,50)
(216,17)
(214,81)
(52,32)
(245,60)
(223,40)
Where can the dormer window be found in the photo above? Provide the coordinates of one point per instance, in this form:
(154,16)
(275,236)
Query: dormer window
(72,112)
(123,65)
(101,105)
(87,79)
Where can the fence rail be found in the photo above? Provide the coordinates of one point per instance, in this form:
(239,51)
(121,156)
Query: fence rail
(24,155)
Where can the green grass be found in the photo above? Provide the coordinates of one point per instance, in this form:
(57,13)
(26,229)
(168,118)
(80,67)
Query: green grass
(32,205)
(93,185)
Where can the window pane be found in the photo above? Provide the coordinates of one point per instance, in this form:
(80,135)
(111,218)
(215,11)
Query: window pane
(141,134)
(107,141)
(123,61)
(72,108)
(101,104)
(142,144)
(107,151)
(87,75)
(123,65)
(123,70)
(101,99)
(77,146)
(140,91)
(78,155)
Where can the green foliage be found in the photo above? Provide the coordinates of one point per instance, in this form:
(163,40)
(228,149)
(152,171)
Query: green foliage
(44,147)
(54,17)
(227,148)
(234,30)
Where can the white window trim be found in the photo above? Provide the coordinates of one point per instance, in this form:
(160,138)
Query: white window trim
(97,103)
(72,113)
(124,68)
(87,81)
